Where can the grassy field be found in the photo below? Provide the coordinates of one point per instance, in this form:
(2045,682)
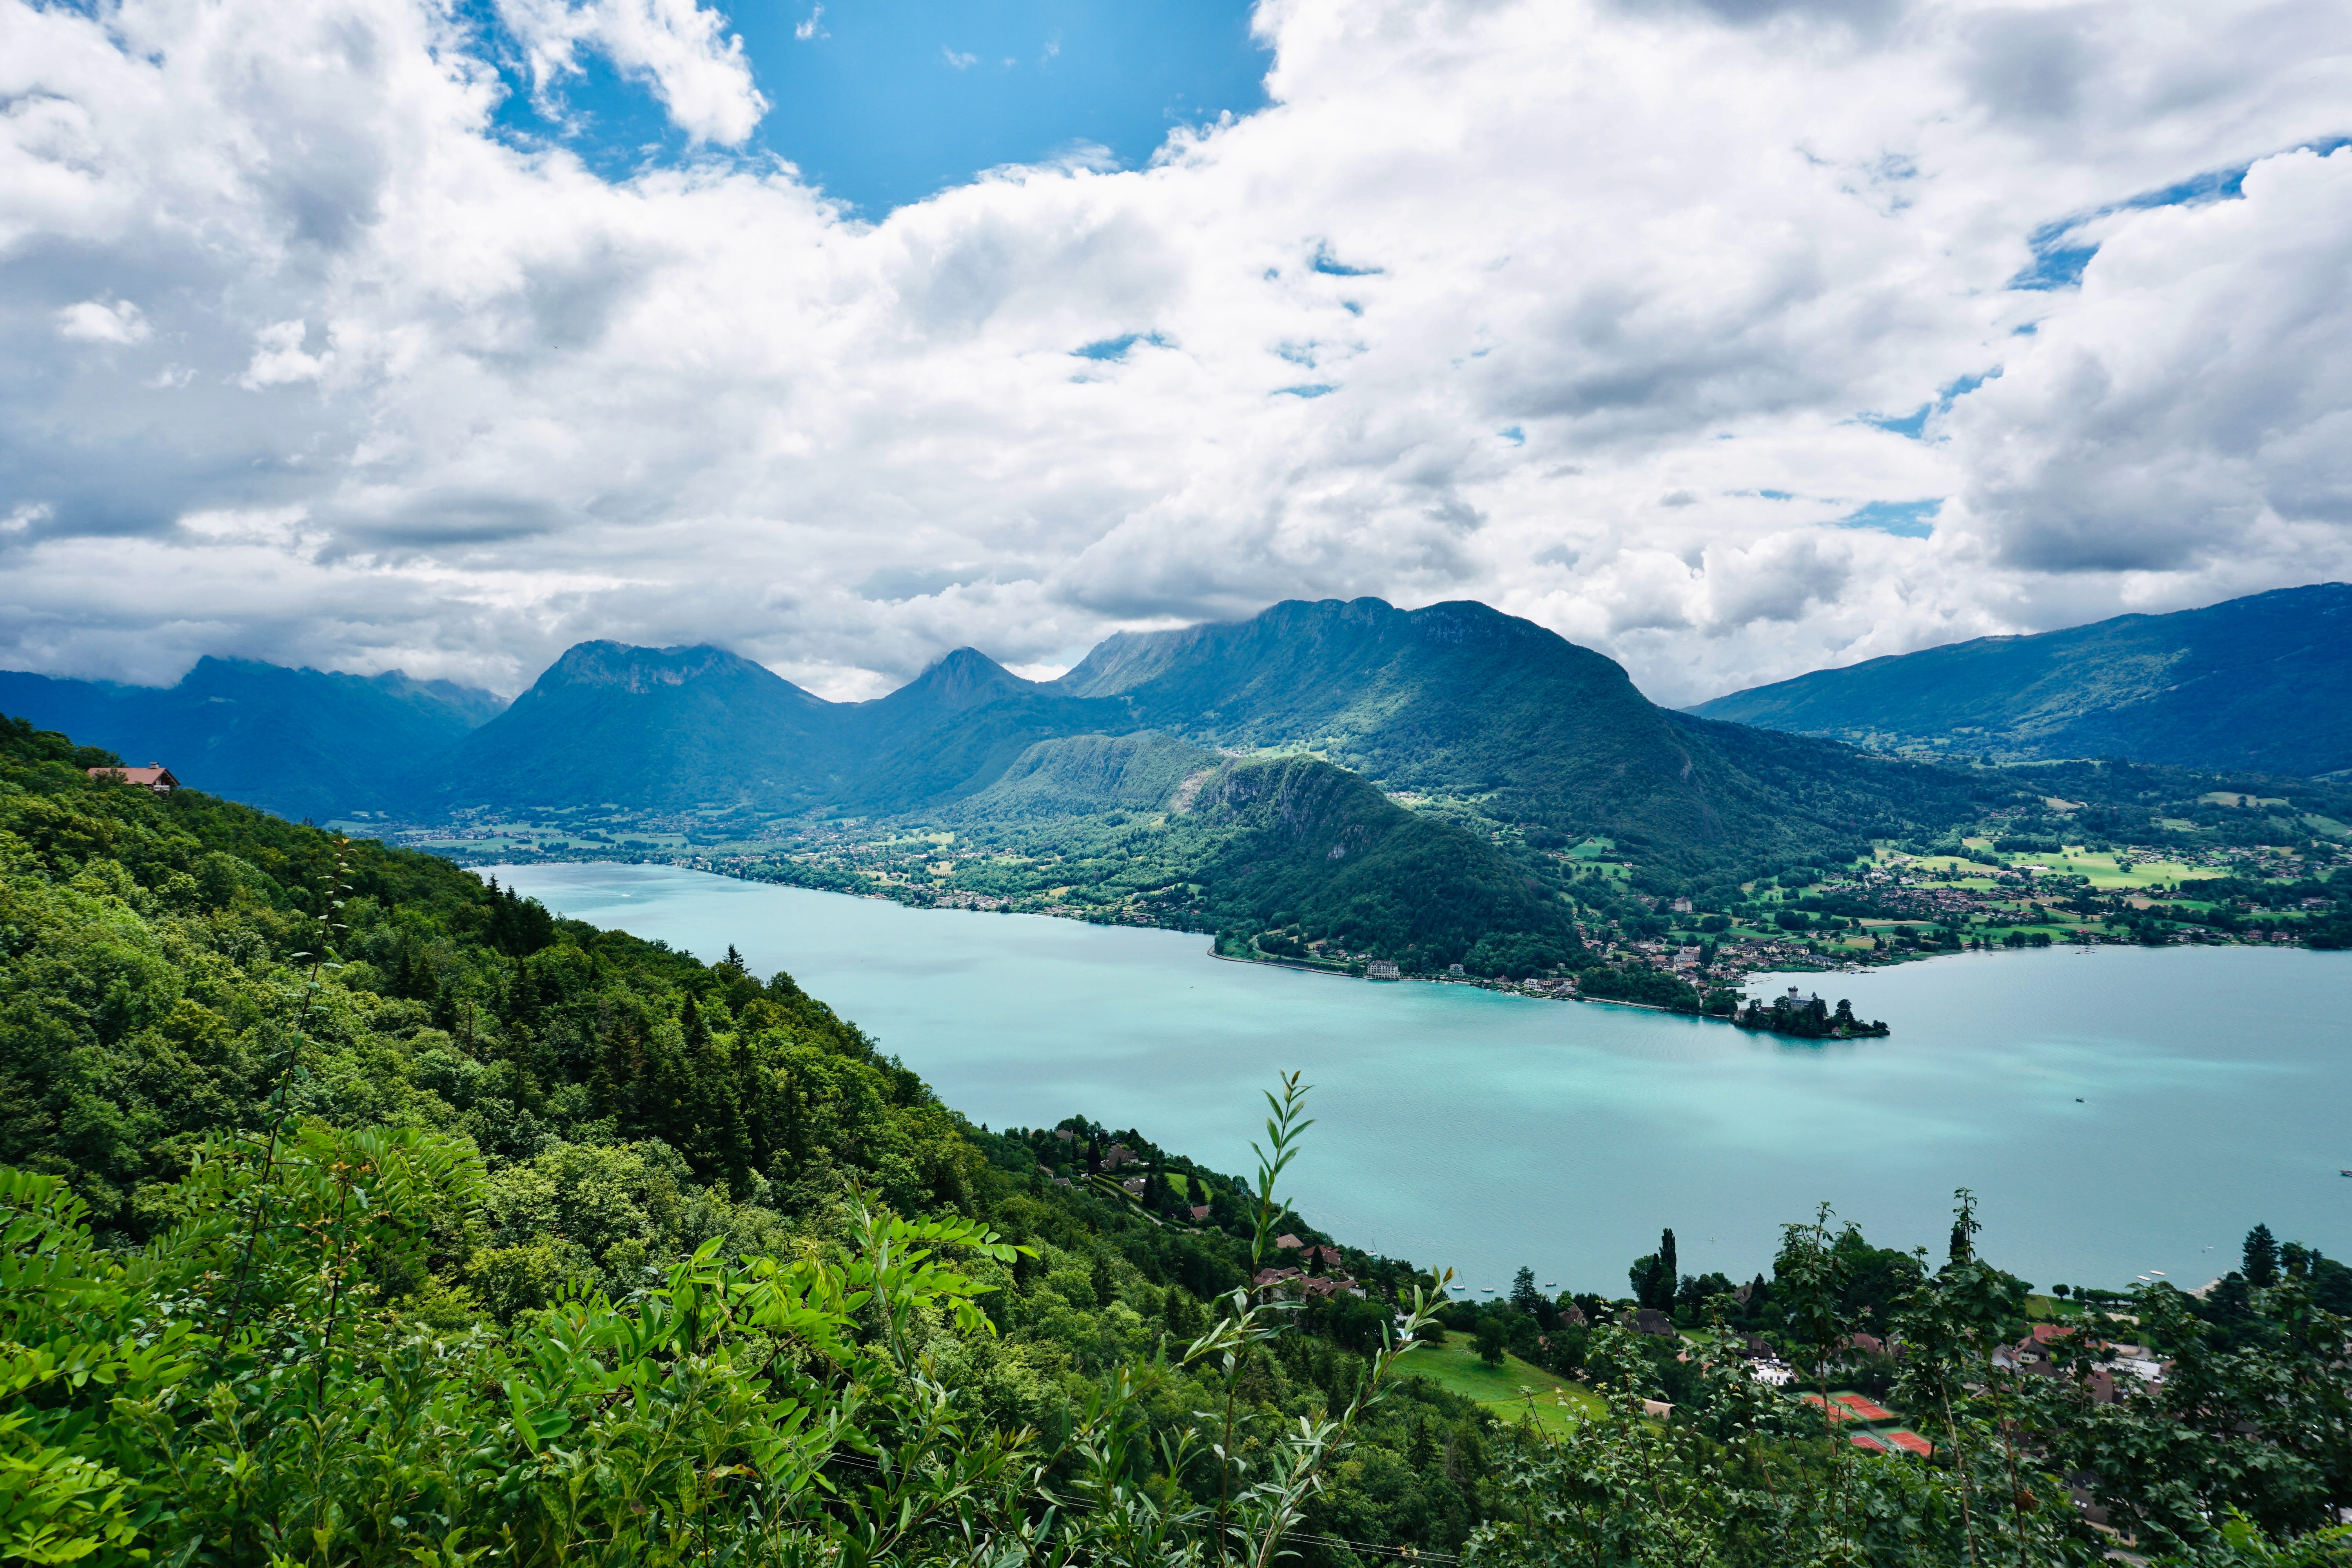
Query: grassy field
(2104,872)
(1456,1368)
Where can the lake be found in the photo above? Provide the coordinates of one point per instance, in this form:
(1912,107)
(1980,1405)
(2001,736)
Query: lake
(2116,1111)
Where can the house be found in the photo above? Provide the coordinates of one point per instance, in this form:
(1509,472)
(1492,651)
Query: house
(1381,969)
(1132,1187)
(1650,1320)
(1287,1242)
(154,777)
(1200,1213)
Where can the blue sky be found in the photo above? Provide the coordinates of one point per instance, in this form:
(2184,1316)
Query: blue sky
(883,103)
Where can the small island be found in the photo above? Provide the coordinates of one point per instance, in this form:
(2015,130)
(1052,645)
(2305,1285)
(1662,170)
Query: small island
(1806,1018)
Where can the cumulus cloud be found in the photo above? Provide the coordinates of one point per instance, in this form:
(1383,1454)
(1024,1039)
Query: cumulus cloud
(96,321)
(1611,314)
(697,69)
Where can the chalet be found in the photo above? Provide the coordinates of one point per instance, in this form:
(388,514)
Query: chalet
(154,777)
(1650,1320)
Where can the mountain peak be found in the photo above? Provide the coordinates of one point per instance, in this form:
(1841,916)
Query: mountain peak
(2260,682)
(963,679)
(639,670)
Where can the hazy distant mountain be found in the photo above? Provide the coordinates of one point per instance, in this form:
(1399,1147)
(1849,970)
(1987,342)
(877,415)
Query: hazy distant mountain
(645,727)
(1456,700)
(952,730)
(300,742)
(2261,683)
(1460,699)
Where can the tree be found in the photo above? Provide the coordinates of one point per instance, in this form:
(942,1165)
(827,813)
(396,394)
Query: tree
(2261,1257)
(1669,1275)
(1524,1294)
(1491,1340)
(1963,1247)
(1643,1277)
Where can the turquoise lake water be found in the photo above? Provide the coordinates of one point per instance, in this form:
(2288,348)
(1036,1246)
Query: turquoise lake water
(2117,1111)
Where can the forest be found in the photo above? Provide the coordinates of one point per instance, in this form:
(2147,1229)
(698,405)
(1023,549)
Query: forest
(358,1211)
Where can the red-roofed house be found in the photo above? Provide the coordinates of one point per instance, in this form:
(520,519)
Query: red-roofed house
(154,776)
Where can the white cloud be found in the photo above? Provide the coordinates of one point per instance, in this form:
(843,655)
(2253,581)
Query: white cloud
(813,26)
(960,62)
(696,68)
(96,321)
(1556,264)
(278,359)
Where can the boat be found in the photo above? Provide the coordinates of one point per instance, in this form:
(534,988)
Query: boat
(2344,1172)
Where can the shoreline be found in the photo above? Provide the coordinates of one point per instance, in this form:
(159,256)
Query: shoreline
(1823,964)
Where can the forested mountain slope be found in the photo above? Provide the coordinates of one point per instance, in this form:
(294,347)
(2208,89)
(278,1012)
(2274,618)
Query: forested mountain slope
(203,1008)
(1460,699)
(644,727)
(300,742)
(2262,684)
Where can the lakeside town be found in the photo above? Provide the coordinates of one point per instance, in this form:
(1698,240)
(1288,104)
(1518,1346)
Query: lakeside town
(1898,906)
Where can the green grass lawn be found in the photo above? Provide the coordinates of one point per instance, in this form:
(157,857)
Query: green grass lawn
(2103,871)
(1456,1367)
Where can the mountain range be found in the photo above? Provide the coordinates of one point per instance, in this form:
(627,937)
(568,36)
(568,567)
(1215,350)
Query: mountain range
(300,742)
(1277,759)
(2261,684)
(1455,700)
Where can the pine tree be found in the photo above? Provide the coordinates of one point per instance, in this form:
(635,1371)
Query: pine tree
(2261,1257)
(1524,1294)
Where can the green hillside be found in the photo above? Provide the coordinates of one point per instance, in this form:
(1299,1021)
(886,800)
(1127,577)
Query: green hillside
(2262,684)
(300,742)
(1242,846)
(1301,843)
(951,731)
(1463,700)
(1083,774)
(643,727)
